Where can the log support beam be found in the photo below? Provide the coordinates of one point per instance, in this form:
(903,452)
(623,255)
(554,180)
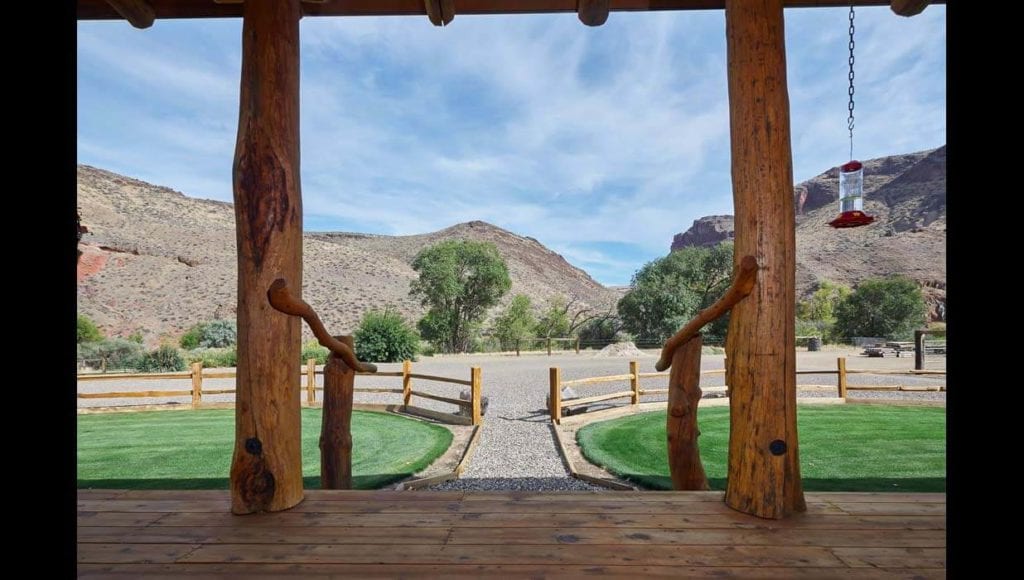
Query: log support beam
(266,468)
(336,423)
(440,12)
(592,12)
(138,13)
(908,7)
(684,394)
(764,467)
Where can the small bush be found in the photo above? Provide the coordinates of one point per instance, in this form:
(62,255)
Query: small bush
(427,349)
(213,357)
(215,334)
(110,353)
(313,349)
(385,337)
(164,359)
(219,334)
(190,340)
(87,330)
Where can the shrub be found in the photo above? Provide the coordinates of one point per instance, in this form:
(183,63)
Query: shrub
(166,358)
(313,349)
(110,353)
(213,357)
(219,334)
(87,330)
(427,349)
(190,339)
(385,337)
(215,334)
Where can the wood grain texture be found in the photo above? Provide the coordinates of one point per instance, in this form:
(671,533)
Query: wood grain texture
(555,394)
(475,388)
(266,468)
(743,279)
(592,12)
(336,422)
(908,7)
(764,462)
(138,13)
(510,534)
(684,394)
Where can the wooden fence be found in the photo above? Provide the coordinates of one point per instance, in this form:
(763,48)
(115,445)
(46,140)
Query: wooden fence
(197,374)
(568,340)
(557,406)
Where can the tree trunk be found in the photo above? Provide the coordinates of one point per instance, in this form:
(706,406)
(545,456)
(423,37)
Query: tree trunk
(764,467)
(266,469)
(683,397)
(336,425)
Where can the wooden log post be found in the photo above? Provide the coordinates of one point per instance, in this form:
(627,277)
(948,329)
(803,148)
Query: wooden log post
(919,350)
(684,394)
(406,382)
(266,468)
(311,380)
(841,374)
(764,463)
(555,396)
(475,388)
(517,347)
(336,423)
(634,382)
(577,345)
(592,12)
(549,346)
(197,384)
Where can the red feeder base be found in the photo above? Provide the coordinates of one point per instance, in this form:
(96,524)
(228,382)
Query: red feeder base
(851,219)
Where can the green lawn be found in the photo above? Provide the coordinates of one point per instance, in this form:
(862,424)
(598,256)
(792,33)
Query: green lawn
(842,447)
(192,449)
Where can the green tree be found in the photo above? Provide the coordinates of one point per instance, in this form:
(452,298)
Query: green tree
(87,330)
(890,307)
(458,281)
(515,323)
(384,336)
(817,314)
(555,320)
(669,291)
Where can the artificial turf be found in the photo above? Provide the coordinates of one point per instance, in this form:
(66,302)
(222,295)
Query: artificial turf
(842,447)
(192,449)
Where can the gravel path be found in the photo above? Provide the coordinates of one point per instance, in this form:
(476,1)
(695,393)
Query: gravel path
(517,450)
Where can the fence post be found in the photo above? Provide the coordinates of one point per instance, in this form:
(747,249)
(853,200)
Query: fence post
(577,345)
(336,422)
(311,380)
(406,382)
(197,384)
(634,382)
(919,350)
(555,398)
(841,362)
(517,347)
(474,379)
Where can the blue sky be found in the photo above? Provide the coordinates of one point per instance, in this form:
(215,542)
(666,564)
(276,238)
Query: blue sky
(602,143)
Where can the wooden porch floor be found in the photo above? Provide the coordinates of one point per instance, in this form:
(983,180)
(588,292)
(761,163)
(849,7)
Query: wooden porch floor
(509,534)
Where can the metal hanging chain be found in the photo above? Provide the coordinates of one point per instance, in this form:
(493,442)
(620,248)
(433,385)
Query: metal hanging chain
(849,119)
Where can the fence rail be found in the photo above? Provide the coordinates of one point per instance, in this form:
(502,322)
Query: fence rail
(557,406)
(197,374)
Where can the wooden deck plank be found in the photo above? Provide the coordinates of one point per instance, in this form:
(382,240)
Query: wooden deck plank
(332,534)
(406,535)
(325,571)
(553,520)
(635,555)
(892,557)
(318,495)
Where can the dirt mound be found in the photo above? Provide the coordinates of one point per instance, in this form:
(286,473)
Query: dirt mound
(621,350)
